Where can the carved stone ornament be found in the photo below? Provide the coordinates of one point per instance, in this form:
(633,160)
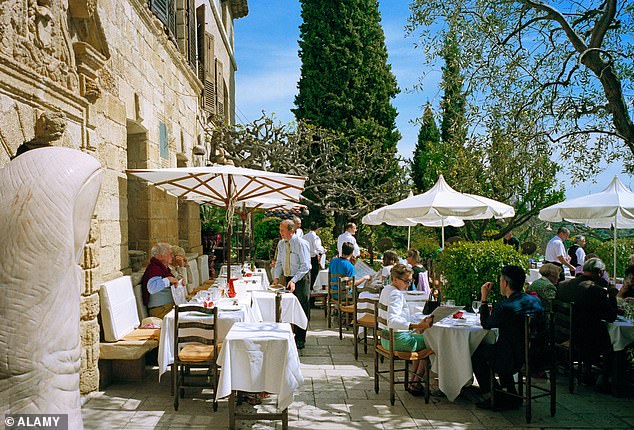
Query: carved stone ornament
(42,35)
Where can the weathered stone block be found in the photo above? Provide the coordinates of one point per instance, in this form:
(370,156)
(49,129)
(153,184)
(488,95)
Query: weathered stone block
(89,307)
(89,380)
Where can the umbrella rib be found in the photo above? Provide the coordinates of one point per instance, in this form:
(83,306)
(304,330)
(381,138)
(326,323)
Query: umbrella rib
(285,184)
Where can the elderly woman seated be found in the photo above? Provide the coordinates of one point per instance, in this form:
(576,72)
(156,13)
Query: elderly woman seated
(546,286)
(627,290)
(179,263)
(407,331)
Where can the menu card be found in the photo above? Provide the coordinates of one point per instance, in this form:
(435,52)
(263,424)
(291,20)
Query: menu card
(442,312)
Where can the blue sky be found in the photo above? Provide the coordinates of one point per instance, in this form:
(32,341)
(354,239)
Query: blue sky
(269,68)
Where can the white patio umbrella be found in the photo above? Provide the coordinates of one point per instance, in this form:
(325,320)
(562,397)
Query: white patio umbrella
(440,202)
(227,186)
(612,207)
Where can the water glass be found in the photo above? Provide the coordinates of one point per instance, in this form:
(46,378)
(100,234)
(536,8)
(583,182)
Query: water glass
(451,303)
(476,306)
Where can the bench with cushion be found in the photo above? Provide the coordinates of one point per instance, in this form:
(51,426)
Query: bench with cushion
(122,355)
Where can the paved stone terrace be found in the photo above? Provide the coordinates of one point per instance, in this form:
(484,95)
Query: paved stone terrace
(338,393)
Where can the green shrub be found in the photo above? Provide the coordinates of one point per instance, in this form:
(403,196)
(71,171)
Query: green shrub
(591,245)
(428,248)
(467,265)
(266,234)
(624,248)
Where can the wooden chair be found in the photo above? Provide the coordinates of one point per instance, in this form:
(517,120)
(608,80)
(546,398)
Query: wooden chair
(195,351)
(367,320)
(333,289)
(563,316)
(346,304)
(524,380)
(391,355)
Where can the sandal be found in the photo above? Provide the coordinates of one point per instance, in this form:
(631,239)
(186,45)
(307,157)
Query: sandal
(416,389)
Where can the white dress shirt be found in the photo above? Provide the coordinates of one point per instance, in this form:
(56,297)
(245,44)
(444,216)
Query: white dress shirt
(344,237)
(299,233)
(314,244)
(554,249)
(397,316)
(300,259)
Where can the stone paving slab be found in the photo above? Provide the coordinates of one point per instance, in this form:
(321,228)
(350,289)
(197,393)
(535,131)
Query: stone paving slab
(337,394)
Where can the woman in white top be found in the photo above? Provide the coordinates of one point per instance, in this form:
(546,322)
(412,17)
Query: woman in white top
(390,258)
(407,331)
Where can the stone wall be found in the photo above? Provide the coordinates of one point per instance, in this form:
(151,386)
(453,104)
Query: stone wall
(121,85)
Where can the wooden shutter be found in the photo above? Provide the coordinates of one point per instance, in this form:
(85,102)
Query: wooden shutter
(171,19)
(209,96)
(200,36)
(191,34)
(160,9)
(220,108)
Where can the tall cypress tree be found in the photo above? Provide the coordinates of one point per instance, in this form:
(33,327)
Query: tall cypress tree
(453,126)
(346,83)
(425,165)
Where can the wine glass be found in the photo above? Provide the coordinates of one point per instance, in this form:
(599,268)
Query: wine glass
(476,306)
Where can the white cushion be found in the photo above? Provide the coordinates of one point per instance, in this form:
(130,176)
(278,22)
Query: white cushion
(203,268)
(192,274)
(118,308)
(140,307)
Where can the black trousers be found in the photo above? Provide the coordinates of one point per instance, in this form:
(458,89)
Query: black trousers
(302,292)
(314,270)
(487,357)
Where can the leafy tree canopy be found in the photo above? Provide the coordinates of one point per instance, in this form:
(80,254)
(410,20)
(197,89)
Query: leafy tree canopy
(571,61)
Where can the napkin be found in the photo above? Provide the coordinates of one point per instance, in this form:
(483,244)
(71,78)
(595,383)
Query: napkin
(458,314)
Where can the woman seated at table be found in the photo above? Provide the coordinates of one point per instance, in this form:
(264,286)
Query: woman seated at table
(627,290)
(408,335)
(545,287)
(390,258)
(414,259)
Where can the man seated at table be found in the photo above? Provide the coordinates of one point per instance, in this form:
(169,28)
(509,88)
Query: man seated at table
(506,356)
(595,305)
(291,269)
(157,280)
(342,266)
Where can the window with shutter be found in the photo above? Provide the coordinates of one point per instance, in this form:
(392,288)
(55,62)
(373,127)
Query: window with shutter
(191,34)
(209,96)
(160,9)
(220,109)
(171,19)
(200,35)
(163,144)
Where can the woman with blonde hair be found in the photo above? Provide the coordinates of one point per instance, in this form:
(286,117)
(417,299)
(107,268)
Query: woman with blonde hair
(408,330)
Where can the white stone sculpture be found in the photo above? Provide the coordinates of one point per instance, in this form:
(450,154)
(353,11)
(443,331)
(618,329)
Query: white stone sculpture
(47,198)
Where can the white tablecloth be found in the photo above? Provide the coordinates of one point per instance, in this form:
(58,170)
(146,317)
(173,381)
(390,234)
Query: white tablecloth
(621,333)
(533,275)
(453,342)
(260,357)
(321,282)
(236,271)
(292,311)
(226,319)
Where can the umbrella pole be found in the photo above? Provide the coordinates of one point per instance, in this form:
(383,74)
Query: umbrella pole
(409,233)
(443,232)
(229,219)
(614,250)
(244,250)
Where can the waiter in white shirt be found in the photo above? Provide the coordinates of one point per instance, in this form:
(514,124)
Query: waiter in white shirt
(316,251)
(556,251)
(298,227)
(291,269)
(348,236)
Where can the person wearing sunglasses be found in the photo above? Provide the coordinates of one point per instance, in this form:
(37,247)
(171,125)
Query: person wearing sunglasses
(408,330)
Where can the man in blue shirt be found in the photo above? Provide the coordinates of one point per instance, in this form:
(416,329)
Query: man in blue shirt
(506,356)
(291,269)
(343,267)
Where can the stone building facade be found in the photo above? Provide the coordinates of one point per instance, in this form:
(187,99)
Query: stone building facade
(131,82)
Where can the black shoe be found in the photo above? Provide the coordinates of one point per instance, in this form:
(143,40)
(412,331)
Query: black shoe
(300,344)
(484,404)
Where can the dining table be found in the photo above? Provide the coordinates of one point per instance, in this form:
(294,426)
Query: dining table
(253,303)
(259,357)
(453,342)
(621,333)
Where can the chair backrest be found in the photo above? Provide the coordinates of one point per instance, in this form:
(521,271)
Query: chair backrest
(346,285)
(208,324)
(333,283)
(278,307)
(356,300)
(193,276)
(563,315)
(381,315)
(203,267)
(119,315)
(416,300)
